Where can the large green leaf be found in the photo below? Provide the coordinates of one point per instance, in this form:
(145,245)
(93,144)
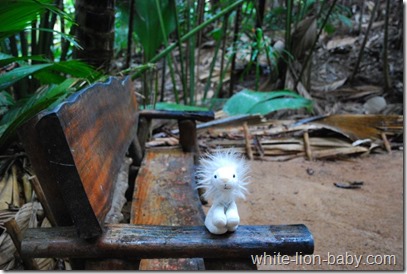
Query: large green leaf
(9,78)
(147,24)
(16,15)
(56,73)
(48,73)
(6,59)
(263,102)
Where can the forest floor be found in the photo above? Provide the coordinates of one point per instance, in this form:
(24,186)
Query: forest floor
(365,222)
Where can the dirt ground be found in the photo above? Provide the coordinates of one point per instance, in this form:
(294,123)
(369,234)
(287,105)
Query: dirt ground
(344,222)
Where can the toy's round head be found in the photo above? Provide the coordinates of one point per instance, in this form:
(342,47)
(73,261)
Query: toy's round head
(224,175)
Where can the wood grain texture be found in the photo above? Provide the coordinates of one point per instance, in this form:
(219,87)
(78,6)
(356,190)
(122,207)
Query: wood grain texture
(85,139)
(141,241)
(164,192)
(164,195)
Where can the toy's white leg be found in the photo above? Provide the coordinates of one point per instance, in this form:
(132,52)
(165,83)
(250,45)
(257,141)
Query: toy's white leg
(215,220)
(232,216)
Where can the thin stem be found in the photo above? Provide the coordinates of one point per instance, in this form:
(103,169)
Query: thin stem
(234,45)
(211,69)
(191,44)
(308,58)
(201,14)
(362,47)
(387,82)
(189,34)
(219,87)
(288,25)
(181,55)
(163,70)
(130,33)
(259,42)
(174,84)
(222,59)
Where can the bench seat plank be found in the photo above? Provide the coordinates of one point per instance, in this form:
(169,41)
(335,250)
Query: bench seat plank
(123,241)
(164,195)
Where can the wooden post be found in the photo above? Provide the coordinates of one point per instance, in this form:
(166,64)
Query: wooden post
(247,138)
(386,143)
(307,146)
(187,135)
(143,132)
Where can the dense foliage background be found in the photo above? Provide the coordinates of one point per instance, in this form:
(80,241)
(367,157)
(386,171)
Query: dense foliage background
(193,53)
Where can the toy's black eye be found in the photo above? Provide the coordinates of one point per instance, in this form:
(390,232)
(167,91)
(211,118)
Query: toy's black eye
(234,176)
(215,176)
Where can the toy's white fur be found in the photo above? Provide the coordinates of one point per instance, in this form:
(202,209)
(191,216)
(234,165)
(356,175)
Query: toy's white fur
(224,176)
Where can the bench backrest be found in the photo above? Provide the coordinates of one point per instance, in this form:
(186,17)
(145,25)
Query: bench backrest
(77,148)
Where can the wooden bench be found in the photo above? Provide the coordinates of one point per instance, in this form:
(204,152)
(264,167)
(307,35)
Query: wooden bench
(77,149)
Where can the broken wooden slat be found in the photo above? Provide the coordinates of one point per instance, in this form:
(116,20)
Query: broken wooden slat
(140,241)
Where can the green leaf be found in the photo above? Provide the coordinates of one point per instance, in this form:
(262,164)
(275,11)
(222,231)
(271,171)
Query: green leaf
(77,69)
(345,20)
(280,103)
(175,107)
(6,101)
(46,72)
(67,37)
(329,28)
(9,78)
(27,108)
(252,102)
(216,34)
(16,15)
(147,24)
(6,59)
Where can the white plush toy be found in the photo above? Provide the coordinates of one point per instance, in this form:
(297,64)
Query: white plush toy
(223,175)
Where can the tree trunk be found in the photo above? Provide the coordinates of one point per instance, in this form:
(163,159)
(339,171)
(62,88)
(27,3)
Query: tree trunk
(95,32)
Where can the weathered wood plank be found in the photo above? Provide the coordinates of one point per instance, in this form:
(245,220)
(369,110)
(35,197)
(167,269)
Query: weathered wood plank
(165,195)
(144,242)
(85,139)
(203,116)
(165,192)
